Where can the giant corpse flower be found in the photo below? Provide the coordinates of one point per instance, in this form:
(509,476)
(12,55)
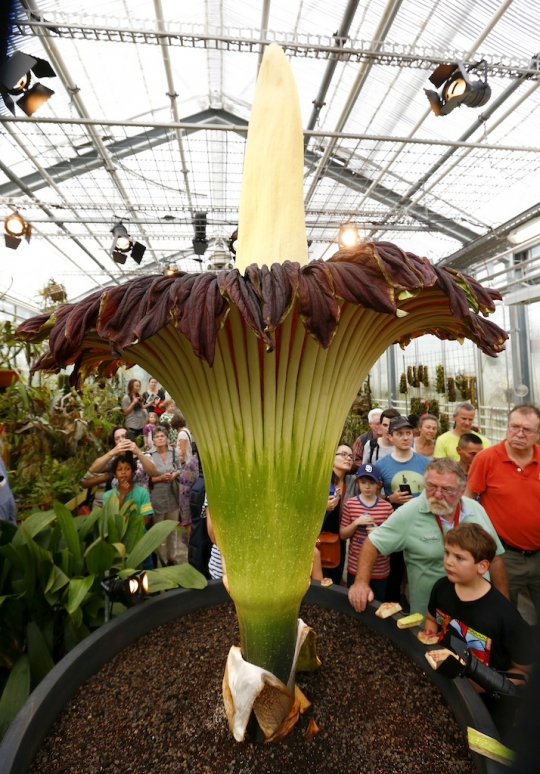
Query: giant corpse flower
(265,361)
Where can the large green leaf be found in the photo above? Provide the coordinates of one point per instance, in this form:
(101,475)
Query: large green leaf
(39,655)
(57,581)
(15,693)
(184,575)
(99,557)
(112,529)
(153,538)
(35,524)
(77,590)
(134,532)
(158,582)
(69,530)
(41,560)
(85,523)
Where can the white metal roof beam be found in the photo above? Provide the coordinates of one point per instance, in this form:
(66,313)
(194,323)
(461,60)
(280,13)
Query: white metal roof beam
(61,70)
(173,96)
(383,28)
(474,47)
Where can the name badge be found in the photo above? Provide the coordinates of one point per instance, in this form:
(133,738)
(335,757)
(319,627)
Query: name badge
(430,537)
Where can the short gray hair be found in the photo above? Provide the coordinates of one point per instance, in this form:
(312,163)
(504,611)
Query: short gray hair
(447,465)
(376,412)
(466,405)
(425,417)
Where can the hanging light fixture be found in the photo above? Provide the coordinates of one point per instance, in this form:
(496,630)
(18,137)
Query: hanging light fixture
(200,241)
(129,591)
(457,88)
(16,81)
(123,245)
(15,228)
(348,236)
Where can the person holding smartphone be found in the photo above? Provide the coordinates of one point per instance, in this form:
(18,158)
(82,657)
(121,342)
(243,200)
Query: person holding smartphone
(402,472)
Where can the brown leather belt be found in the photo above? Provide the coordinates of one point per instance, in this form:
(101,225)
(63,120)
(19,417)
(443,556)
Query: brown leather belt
(521,551)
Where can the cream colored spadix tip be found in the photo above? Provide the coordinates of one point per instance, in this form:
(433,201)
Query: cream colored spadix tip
(271,222)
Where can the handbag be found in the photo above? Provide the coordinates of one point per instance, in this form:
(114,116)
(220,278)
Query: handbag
(329,549)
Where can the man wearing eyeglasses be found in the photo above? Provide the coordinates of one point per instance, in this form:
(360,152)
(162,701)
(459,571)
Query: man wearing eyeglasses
(417,528)
(506,478)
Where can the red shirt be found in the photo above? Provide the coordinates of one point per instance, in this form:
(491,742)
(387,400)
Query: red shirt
(510,494)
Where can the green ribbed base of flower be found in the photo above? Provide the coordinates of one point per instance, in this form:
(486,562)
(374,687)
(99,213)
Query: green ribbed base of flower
(268,638)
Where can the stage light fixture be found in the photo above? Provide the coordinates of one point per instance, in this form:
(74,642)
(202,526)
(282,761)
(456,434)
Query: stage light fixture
(348,236)
(123,244)
(233,241)
(16,80)
(200,242)
(457,88)
(15,228)
(129,591)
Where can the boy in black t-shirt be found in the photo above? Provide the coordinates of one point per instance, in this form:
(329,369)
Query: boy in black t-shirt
(493,628)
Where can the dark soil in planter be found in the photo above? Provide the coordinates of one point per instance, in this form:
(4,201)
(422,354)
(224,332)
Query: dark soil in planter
(156,709)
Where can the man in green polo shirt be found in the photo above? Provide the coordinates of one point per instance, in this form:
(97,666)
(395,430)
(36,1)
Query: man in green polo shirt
(446,444)
(417,528)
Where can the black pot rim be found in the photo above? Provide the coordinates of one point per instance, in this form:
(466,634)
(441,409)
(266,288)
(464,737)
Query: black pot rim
(31,725)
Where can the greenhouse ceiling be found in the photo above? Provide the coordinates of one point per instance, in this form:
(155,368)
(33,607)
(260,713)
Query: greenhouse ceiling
(147,127)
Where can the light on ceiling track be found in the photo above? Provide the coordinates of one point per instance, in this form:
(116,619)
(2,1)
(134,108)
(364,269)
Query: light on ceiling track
(348,236)
(129,591)
(123,245)
(525,232)
(15,228)
(16,81)
(170,271)
(200,241)
(456,88)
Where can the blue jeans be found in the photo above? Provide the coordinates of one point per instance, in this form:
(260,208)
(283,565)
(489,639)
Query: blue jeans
(378,585)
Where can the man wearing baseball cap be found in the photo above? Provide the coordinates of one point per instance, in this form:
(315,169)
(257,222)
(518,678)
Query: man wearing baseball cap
(402,473)
(361,515)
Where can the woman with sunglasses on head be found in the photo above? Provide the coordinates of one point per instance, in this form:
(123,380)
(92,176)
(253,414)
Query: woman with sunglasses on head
(133,407)
(165,490)
(342,486)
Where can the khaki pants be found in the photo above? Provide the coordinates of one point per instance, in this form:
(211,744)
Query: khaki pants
(524,572)
(167,550)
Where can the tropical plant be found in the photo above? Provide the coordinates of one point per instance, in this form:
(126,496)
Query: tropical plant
(266,363)
(51,568)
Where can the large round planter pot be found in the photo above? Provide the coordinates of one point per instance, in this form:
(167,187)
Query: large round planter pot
(37,716)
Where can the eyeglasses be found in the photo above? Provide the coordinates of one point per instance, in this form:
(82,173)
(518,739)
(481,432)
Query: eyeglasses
(446,491)
(345,455)
(515,429)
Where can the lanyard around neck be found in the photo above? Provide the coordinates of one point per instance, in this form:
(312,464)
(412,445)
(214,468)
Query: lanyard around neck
(457,513)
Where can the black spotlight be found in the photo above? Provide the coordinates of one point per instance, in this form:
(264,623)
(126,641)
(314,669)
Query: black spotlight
(457,88)
(129,591)
(200,242)
(16,81)
(15,228)
(123,245)
(348,236)
(233,241)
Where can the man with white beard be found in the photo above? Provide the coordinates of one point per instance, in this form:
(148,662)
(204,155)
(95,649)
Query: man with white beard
(417,528)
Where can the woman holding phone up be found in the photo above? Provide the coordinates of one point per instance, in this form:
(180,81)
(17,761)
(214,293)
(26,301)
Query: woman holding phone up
(132,407)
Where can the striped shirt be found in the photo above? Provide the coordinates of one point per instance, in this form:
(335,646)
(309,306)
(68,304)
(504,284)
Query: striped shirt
(379,512)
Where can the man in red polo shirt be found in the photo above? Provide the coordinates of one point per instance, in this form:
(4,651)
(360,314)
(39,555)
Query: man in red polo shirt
(507,478)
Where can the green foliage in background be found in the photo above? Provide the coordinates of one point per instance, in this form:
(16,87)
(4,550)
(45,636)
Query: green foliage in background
(51,568)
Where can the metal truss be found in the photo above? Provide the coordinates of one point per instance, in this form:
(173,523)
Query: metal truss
(83,27)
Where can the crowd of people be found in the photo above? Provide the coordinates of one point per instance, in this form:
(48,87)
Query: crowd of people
(462,535)
(446,525)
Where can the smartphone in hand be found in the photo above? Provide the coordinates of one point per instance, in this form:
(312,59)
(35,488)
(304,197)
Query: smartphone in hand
(405,488)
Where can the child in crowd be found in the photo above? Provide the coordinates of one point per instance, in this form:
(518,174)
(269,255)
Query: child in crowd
(362,514)
(494,630)
(152,420)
